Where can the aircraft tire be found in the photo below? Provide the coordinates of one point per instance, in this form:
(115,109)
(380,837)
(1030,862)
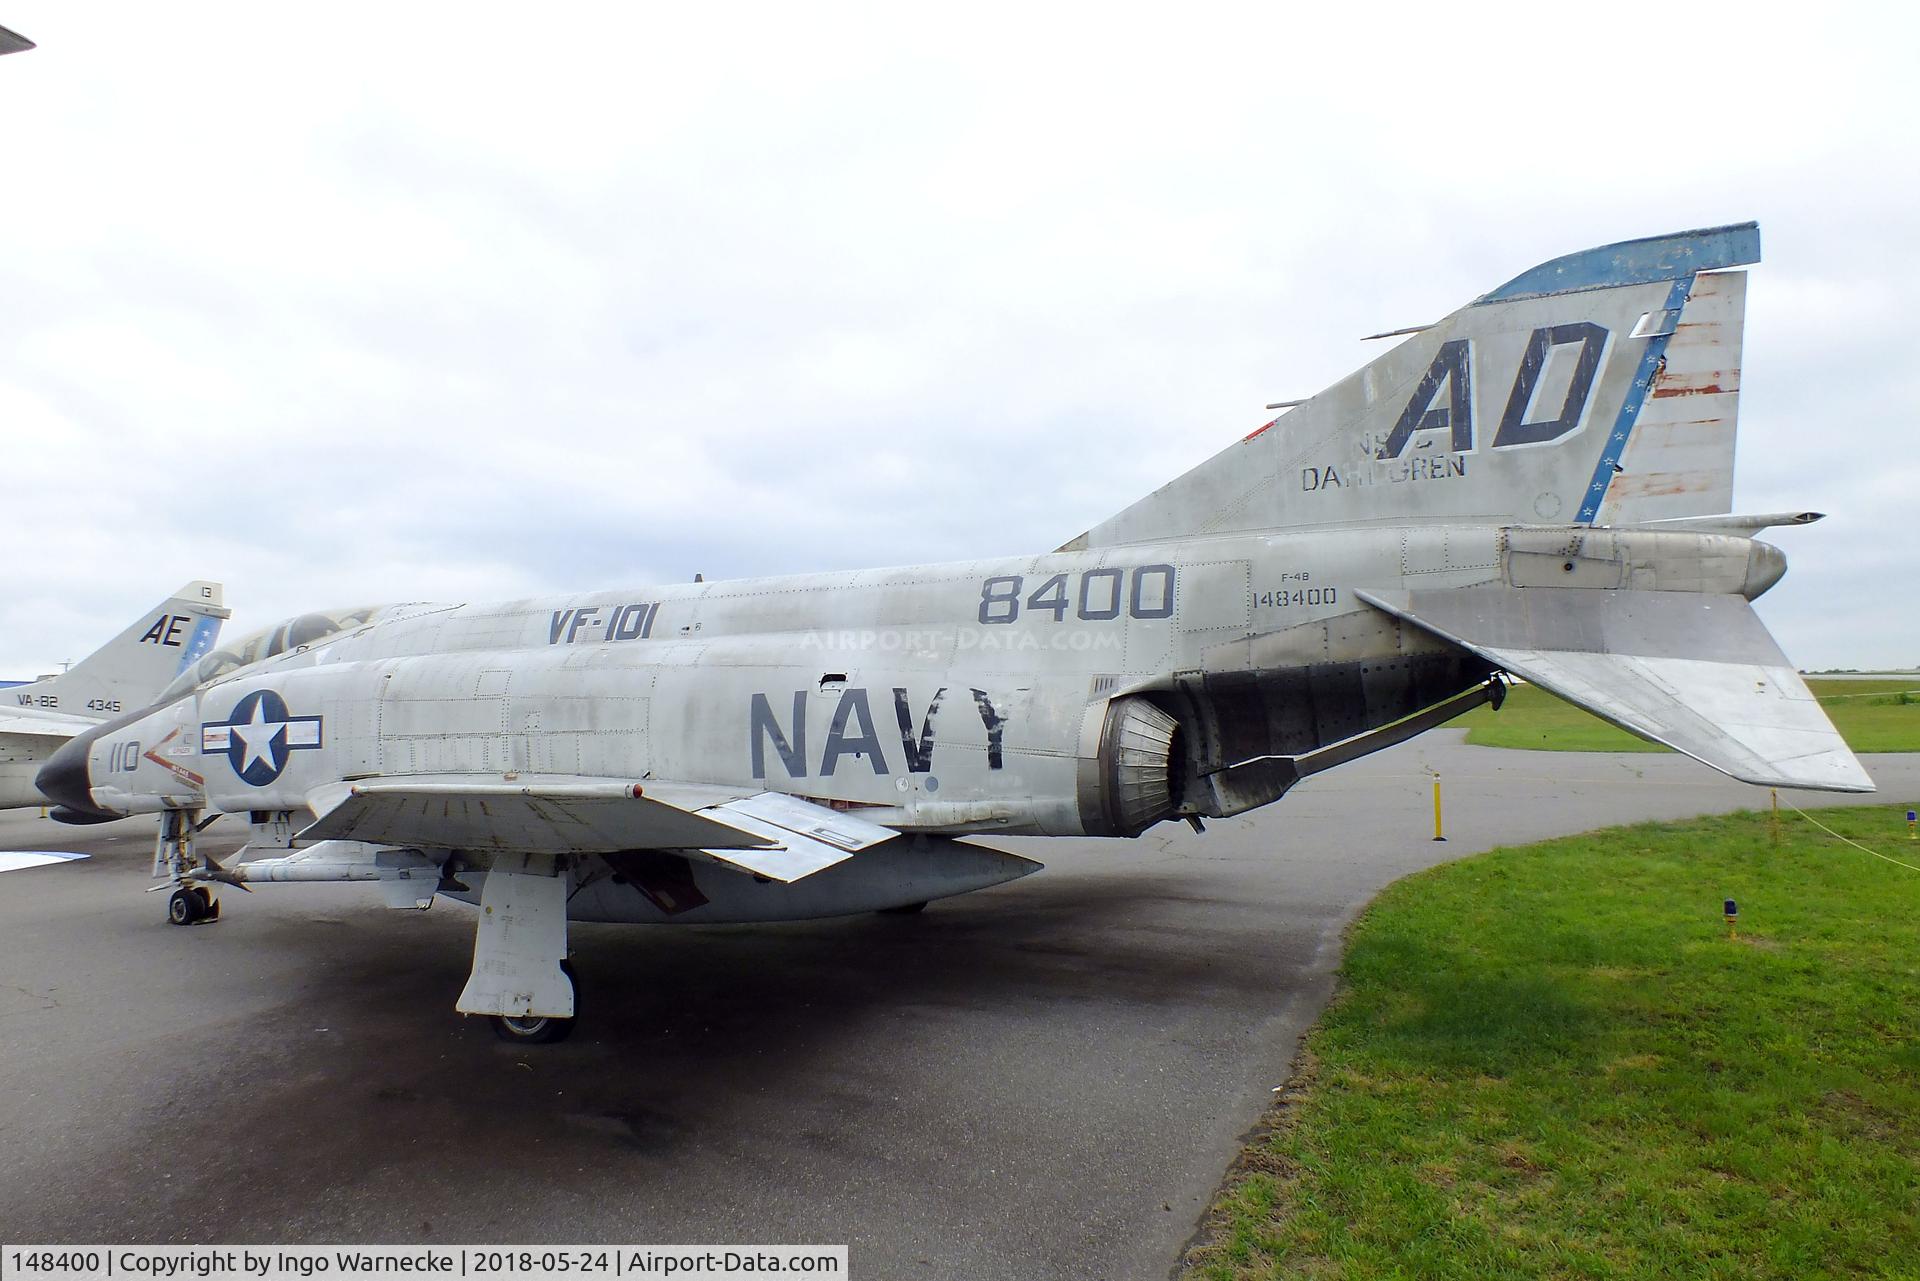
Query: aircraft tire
(184,907)
(542,1030)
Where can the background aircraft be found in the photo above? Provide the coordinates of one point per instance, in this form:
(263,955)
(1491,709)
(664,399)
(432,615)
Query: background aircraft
(1535,485)
(127,674)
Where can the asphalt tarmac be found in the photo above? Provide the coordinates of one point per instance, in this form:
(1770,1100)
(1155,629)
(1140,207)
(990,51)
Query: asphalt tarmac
(1046,1079)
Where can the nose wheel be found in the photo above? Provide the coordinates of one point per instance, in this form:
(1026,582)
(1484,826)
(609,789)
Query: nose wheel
(190,904)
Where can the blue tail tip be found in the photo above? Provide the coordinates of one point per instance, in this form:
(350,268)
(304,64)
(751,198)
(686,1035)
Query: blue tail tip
(1635,262)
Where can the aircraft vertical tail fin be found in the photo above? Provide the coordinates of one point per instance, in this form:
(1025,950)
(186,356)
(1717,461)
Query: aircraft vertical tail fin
(129,671)
(1598,388)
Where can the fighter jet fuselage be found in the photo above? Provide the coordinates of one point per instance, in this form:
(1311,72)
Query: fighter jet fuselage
(985,696)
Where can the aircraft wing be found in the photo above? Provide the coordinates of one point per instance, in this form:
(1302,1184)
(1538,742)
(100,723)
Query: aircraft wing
(769,834)
(1696,672)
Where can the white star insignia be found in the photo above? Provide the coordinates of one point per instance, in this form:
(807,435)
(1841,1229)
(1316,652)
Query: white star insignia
(258,735)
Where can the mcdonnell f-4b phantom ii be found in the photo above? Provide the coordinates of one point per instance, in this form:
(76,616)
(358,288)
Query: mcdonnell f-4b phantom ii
(1536,485)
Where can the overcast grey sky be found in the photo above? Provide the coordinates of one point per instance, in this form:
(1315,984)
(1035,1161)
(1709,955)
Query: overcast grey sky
(373,302)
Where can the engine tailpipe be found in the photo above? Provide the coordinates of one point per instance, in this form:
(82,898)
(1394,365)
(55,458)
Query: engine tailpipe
(1134,779)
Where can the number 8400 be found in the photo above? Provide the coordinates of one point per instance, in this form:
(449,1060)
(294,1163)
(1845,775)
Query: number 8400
(1144,592)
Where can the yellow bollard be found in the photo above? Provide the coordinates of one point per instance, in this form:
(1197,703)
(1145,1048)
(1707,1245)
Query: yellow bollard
(1773,820)
(1733,915)
(1436,809)
(1911,817)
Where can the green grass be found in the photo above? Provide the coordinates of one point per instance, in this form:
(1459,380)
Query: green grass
(1551,1061)
(1873,716)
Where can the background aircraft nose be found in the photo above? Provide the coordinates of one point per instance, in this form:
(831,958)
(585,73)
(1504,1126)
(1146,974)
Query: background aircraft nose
(67,782)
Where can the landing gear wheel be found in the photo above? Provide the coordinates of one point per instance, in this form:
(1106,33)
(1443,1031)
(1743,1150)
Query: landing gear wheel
(209,907)
(536,1030)
(905,909)
(185,906)
(540,1029)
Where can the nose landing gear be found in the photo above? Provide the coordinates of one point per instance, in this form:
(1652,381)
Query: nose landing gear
(174,858)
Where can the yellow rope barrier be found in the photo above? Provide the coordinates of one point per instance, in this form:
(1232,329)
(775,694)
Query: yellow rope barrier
(1849,840)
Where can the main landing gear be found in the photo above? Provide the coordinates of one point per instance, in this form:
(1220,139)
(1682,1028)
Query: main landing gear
(540,1029)
(521,979)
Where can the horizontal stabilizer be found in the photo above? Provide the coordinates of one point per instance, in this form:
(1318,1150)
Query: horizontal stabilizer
(1698,673)
(33,723)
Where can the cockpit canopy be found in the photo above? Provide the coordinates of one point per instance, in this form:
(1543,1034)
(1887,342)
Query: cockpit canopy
(292,634)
